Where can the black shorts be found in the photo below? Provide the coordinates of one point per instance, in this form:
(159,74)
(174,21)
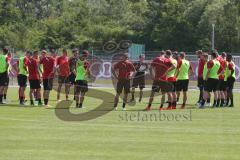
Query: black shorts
(200,82)
(221,85)
(225,86)
(3,79)
(72,78)
(139,81)
(62,79)
(173,86)
(7,81)
(162,86)
(205,85)
(211,85)
(48,84)
(182,85)
(35,84)
(81,86)
(22,80)
(230,83)
(123,84)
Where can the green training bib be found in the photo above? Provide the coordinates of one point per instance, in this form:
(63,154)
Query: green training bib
(81,71)
(214,70)
(21,66)
(227,73)
(3,64)
(205,70)
(184,70)
(172,72)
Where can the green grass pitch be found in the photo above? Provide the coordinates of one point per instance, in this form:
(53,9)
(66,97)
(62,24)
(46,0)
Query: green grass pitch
(35,133)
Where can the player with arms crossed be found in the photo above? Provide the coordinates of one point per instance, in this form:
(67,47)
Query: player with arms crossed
(212,77)
(48,63)
(82,74)
(139,78)
(124,71)
(184,69)
(160,66)
(34,78)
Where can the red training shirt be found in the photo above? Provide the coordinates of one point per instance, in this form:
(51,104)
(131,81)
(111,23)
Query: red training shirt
(8,59)
(230,66)
(33,69)
(48,67)
(124,68)
(222,63)
(161,66)
(201,64)
(63,64)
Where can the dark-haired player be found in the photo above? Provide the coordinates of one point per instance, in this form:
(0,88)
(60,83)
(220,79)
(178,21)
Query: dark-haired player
(54,55)
(64,71)
(160,66)
(221,84)
(4,64)
(230,77)
(82,75)
(139,78)
(34,78)
(206,94)
(22,75)
(72,64)
(9,57)
(48,63)
(171,78)
(184,69)
(212,76)
(124,71)
(201,63)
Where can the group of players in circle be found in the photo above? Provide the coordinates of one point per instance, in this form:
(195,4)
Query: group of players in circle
(42,66)
(170,72)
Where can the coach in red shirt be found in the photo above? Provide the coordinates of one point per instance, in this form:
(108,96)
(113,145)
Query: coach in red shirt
(34,77)
(48,63)
(124,71)
(159,68)
(64,71)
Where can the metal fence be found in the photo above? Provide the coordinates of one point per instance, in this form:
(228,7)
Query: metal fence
(106,71)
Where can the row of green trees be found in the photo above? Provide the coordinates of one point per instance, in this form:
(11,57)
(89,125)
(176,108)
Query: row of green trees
(160,24)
